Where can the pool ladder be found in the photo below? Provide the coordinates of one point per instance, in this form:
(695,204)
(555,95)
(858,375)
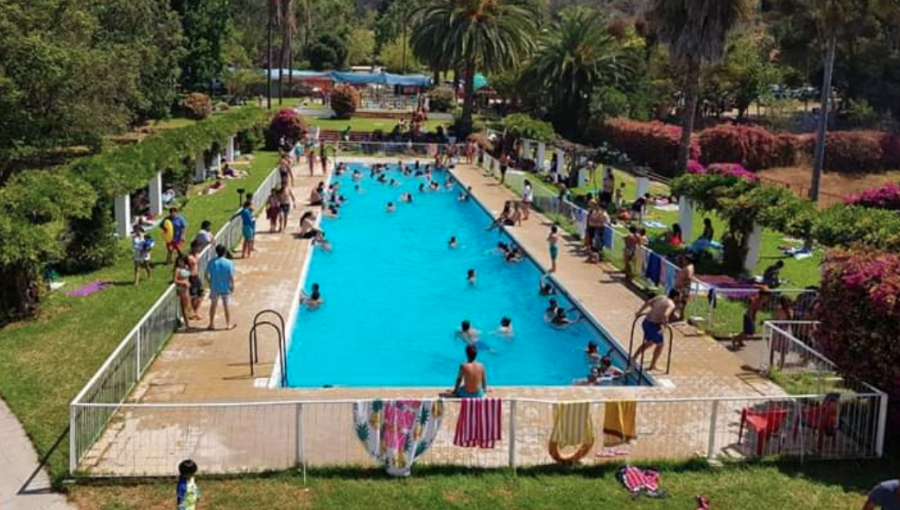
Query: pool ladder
(263,319)
(640,369)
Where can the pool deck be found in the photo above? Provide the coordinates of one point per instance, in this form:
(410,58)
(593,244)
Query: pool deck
(203,366)
(212,367)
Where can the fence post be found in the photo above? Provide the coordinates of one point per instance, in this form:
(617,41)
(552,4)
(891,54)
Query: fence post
(882,425)
(300,457)
(512,435)
(73,439)
(137,355)
(713,418)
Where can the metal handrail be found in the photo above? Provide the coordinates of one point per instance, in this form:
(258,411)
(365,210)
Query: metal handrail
(254,341)
(631,348)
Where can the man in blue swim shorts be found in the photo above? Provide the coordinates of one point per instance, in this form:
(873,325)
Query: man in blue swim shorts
(661,308)
(471,381)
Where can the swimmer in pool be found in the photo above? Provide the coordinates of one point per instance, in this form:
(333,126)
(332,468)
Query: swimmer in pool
(551,310)
(448,185)
(545,288)
(468,333)
(356,175)
(406,197)
(506,328)
(471,277)
(390,207)
(313,300)
(452,243)
(434,186)
(323,243)
(462,197)
(514,255)
(592,354)
(422,188)
(394,183)
(560,318)
(502,248)
(607,370)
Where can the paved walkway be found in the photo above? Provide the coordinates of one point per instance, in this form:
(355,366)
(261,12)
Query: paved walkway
(18,463)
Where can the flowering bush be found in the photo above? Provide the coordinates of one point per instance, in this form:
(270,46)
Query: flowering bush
(197,106)
(885,197)
(651,144)
(753,147)
(859,310)
(344,100)
(726,169)
(286,124)
(850,151)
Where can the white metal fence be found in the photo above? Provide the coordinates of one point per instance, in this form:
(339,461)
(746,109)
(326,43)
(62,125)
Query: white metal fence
(150,439)
(120,373)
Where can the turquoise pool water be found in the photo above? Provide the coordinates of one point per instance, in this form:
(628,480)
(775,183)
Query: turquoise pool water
(395,293)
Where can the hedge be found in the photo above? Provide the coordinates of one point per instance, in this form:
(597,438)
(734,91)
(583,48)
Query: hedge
(129,168)
(651,144)
(751,147)
(521,125)
(850,225)
(885,197)
(851,151)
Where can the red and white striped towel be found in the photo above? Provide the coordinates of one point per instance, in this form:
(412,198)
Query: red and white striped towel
(637,479)
(479,424)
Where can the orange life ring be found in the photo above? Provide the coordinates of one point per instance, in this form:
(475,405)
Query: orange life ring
(582,451)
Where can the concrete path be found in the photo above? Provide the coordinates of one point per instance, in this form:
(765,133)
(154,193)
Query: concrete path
(22,485)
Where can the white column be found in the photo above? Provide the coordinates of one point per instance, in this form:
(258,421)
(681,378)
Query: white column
(561,162)
(643,186)
(216,161)
(686,219)
(754,245)
(199,167)
(526,148)
(229,150)
(156,191)
(542,150)
(122,206)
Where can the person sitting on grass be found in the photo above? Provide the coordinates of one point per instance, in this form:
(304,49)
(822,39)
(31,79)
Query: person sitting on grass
(772,275)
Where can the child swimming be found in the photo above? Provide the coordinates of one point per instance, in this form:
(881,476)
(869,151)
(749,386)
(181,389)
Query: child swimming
(390,207)
(471,277)
(452,243)
(506,328)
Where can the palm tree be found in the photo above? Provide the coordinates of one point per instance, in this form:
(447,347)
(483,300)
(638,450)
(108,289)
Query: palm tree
(696,32)
(287,19)
(573,58)
(472,35)
(833,17)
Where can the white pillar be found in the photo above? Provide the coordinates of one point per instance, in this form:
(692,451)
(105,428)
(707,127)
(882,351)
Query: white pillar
(156,191)
(542,149)
(754,245)
(199,167)
(686,219)
(561,162)
(526,148)
(122,206)
(216,161)
(643,186)
(229,150)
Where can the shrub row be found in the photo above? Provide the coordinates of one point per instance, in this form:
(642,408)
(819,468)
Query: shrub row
(655,144)
(651,144)
(885,197)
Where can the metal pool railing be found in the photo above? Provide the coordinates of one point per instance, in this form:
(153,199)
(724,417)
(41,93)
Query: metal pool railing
(120,373)
(241,437)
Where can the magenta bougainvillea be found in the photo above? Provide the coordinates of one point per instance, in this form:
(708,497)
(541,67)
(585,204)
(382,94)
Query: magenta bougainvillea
(286,125)
(751,146)
(859,310)
(652,144)
(885,197)
(729,169)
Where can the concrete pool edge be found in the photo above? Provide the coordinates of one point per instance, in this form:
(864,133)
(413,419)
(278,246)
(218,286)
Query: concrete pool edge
(274,381)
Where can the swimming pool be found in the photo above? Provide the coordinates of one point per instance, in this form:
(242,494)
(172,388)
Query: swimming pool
(395,294)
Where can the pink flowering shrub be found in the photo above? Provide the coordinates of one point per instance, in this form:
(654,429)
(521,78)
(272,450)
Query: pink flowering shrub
(286,123)
(753,147)
(652,144)
(726,169)
(859,310)
(885,197)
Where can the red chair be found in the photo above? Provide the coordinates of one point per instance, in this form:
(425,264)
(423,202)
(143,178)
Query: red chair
(764,423)
(821,418)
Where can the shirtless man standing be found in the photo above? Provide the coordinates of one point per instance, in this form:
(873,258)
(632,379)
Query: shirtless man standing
(683,280)
(471,381)
(661,308)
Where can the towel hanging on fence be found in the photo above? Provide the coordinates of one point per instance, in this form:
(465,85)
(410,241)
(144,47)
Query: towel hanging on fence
(579,217)
(653,267)
(671,275)
(397,432)
(479,423)
(619,422)
(640,260)
(663,271)
(572,427)
(609,238)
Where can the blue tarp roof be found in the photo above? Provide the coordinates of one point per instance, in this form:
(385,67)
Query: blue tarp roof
(356,78)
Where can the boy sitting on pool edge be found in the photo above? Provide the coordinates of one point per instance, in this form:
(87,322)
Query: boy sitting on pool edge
(471,380)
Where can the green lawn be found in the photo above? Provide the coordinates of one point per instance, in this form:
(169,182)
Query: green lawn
(46,361)
(814,486)
(367,124)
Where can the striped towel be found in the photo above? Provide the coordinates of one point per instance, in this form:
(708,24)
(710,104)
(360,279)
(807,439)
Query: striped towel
(641,481)
(572,424)
(479,424)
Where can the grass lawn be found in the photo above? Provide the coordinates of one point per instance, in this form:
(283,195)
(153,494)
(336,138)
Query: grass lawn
(47,360)
(814,486)
(367,124)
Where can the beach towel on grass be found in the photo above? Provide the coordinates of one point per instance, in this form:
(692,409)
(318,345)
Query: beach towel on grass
(479,423)
(619,423)
(397,432)
(572,424)
(640,481)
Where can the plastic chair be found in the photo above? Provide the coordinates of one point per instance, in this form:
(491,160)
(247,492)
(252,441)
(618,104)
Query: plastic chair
(821,418)
(764,423)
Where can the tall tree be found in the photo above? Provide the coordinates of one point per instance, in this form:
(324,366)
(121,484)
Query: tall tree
(207,26)
(574,57)
(473,35)
(696,32)
(287,23)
